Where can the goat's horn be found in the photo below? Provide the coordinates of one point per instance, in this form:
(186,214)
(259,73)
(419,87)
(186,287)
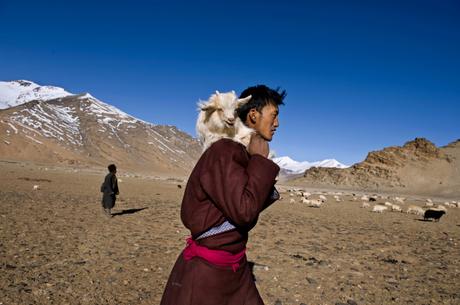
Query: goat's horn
(244,100)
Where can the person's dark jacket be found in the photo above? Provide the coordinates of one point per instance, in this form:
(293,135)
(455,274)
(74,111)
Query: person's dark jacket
(109,189)
(227,184)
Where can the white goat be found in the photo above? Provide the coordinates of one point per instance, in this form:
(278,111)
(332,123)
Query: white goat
(441,208)
(314,203)
(217,119)
(413,209)
(379,208)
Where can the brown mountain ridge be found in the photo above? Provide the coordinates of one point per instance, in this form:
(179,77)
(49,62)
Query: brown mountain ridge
(417,167)
(80,130)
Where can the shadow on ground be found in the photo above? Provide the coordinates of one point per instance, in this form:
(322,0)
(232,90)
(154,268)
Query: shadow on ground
(128,211)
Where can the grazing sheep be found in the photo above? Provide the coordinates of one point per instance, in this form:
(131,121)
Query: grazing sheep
(337,198)
(298,193)
(315,203)
(413,209)
(291,194)
(450,205)
(217,119)
(379,208)
(433,214)
(306,194)
(396,208)
(364,198)
(365,205)
(373,198)
(323,198)
(304,200)
(429,204)
(388,204)
(292,200)
(441,208)
(36,187)
(399,200)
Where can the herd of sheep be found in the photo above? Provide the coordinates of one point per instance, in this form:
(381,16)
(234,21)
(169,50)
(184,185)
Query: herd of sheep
(391,204)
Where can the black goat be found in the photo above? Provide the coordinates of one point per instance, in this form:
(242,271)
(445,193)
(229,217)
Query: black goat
(434,214)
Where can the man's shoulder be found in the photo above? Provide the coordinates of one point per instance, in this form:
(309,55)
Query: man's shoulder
(225,149)
(225,145)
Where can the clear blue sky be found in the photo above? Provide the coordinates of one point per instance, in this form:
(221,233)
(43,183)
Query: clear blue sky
(360,75)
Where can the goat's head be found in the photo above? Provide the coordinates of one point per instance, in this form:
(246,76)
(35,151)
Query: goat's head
(221,108)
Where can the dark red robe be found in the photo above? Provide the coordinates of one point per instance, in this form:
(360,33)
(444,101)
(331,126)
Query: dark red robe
(226,184)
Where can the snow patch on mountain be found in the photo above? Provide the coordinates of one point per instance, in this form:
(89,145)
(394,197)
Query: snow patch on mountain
(50,121)
(296,167)
(18,92)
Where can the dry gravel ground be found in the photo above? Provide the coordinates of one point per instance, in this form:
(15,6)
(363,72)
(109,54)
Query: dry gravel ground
(57,247)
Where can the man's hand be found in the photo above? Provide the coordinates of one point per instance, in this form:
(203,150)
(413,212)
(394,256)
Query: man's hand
(258,145)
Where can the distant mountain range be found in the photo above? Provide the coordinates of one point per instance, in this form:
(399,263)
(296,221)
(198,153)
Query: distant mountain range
(51,125)
(417,167)
(295,167)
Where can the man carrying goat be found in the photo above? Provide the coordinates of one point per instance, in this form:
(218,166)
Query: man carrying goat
(227,190)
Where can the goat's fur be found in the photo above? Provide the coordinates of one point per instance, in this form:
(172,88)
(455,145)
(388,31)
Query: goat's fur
(433,214)
(217,119)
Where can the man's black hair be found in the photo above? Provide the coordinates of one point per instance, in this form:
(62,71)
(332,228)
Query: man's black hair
(261,96)
(112,168)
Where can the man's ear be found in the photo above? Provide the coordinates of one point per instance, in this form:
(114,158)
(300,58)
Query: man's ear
(253,115)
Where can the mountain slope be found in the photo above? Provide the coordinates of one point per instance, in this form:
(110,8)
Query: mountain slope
(18,92)
(80,129)
(417,167)
(295,167)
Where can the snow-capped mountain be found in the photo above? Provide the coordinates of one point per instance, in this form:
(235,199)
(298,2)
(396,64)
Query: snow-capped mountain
(295,167)
(80,129)
(18,92)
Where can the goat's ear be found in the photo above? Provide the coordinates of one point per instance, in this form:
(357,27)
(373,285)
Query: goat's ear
(204,106)
(217,92)
(243,101)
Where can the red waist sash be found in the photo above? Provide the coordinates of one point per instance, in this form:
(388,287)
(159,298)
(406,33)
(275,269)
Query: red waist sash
(216,257)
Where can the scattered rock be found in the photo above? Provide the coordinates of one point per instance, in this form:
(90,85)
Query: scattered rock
(311,281)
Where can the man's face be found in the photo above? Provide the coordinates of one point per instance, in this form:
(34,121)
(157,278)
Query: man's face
(266,121)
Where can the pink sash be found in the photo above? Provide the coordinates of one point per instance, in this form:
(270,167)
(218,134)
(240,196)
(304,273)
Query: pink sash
(216,257)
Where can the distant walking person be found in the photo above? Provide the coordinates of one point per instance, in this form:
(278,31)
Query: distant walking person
(110,190)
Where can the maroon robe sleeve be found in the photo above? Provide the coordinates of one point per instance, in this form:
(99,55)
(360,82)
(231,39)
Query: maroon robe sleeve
(237,186)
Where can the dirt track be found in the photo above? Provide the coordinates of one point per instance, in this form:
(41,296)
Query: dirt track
(57,247)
